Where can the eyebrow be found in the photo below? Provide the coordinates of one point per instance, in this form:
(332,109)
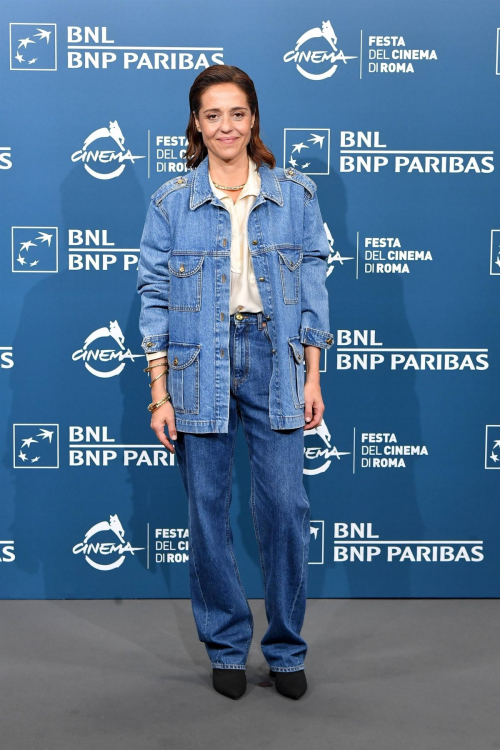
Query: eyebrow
(214,109)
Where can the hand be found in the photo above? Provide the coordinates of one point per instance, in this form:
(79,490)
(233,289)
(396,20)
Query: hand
(164,415)
(314,406)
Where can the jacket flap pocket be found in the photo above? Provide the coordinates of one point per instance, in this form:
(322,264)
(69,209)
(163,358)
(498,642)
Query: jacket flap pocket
(185,265)
(181,355)
(297,349)
(291,258)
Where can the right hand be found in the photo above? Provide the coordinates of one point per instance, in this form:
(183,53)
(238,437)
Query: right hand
(164,415)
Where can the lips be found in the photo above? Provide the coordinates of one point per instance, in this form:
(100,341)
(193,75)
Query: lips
(227,140)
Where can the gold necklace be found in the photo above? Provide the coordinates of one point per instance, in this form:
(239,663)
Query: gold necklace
(225,187)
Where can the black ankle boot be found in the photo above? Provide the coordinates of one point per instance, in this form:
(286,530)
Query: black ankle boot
(230,682)
(290,684)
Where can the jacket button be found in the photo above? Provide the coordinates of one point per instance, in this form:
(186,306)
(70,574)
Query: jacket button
(273,351)
(175,361)
(262,278)
(268,317)
(255,242)
(329,341)
(181,268)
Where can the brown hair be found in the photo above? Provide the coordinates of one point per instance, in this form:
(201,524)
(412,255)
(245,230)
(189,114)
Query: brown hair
(196,149)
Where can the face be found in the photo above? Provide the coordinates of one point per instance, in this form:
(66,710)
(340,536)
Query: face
(225,121)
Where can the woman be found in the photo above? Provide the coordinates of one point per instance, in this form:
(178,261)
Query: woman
(233,303)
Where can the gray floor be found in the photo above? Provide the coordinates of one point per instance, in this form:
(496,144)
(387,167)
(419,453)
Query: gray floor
(392,674)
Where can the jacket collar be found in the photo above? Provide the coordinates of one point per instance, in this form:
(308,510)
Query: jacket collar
(201,190)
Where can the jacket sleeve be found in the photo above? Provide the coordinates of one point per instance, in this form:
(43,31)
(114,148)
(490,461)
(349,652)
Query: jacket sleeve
(315,323)
(153,280)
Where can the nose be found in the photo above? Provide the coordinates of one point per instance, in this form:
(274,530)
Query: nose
(226,125)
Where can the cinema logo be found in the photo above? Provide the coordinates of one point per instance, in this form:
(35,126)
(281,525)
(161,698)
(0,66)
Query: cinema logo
(109,150)
(359,350)
(363,152)
(356,542)
(92,446)
(100,548)
(318,457)
(105,357)
(317,64)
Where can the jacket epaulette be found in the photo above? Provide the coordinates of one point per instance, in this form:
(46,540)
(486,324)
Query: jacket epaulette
(168,187)
(297,176)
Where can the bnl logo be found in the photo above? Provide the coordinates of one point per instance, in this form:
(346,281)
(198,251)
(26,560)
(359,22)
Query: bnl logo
(317,543)
(33,46)
(307,150)
(36,446)
(492,447)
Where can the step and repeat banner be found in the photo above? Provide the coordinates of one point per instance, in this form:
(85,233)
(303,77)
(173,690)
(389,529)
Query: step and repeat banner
(393,110)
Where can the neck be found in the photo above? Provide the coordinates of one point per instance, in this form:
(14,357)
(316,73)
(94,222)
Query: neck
(229,173)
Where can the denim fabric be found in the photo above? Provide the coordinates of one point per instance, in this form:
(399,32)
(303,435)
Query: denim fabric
(184,283)
(280,510)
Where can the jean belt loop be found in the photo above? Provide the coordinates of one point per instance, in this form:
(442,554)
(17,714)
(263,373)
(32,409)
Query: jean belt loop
(259,320)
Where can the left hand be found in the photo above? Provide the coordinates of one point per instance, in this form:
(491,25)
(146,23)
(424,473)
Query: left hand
(314,406)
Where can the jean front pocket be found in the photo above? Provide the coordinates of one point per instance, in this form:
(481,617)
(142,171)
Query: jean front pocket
(297,375)
(183,378)
(290,260)
(185,282)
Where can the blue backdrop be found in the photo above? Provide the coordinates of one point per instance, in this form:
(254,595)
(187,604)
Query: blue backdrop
(393,110)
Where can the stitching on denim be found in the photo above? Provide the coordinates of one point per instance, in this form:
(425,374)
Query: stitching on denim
(201,590)
(246,347)
(288,669)
(252,504)
(228,493)
(302,571)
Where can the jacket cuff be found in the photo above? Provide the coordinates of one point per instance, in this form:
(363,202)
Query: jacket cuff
(315,337)
(155,343)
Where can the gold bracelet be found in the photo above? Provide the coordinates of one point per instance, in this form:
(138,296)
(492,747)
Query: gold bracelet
(158,376)
(154,406)
(148,369)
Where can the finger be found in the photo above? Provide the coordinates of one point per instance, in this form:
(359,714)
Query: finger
(308,411)
(171,426)
(160,434)
(317,417)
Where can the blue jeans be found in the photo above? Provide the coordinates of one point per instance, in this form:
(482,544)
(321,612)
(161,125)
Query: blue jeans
(280,510)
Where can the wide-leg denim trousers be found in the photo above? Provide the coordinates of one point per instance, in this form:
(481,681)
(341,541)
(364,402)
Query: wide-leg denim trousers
(280,510)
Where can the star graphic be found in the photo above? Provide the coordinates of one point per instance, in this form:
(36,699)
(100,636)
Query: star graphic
(25,42)
(44,34)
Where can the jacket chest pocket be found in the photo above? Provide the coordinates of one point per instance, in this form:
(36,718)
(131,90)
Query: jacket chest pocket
(185,282)
(183,377)
(296,361)
(289,261)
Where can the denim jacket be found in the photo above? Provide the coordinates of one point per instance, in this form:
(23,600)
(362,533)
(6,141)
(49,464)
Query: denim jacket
(184,282)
